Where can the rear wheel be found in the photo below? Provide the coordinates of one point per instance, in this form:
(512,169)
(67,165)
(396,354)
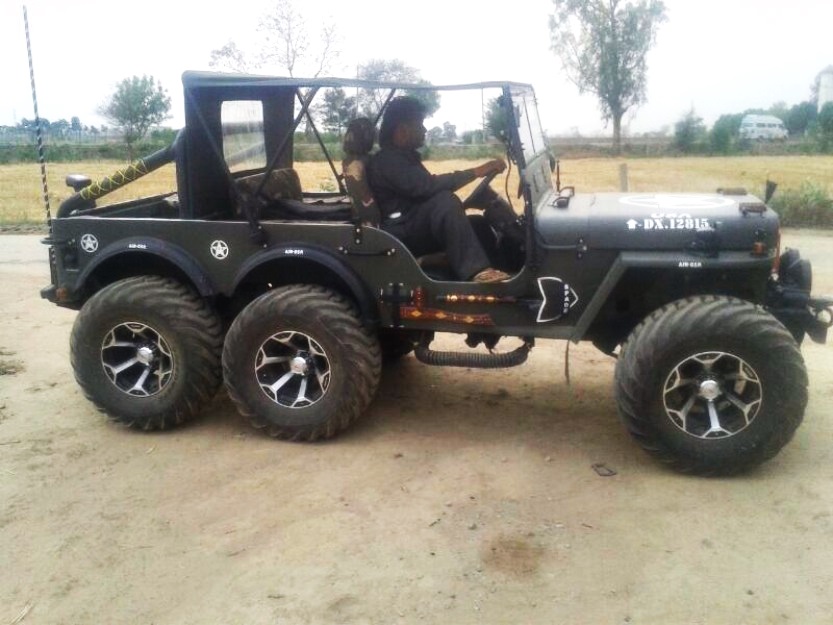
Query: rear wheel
(711,385)
(298,363)
(146,351)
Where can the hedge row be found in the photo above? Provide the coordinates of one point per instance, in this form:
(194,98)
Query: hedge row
(809,206)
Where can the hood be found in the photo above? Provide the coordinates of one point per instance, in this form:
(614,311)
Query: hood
(656,221)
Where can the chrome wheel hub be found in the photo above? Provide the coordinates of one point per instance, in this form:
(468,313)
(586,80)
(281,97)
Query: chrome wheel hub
(710,390)
(292,369)
(137,359)
(712,395)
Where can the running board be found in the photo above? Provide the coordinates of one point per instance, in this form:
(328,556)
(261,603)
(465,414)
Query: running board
(475,361)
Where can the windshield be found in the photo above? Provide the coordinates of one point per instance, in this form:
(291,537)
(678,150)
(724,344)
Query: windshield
(536,167)
(533,140)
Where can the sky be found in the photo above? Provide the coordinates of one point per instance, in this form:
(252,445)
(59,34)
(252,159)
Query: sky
(715,56)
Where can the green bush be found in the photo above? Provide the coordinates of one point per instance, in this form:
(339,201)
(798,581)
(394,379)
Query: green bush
(809,206)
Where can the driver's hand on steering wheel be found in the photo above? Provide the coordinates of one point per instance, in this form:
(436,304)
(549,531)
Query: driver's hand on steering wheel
(495,166)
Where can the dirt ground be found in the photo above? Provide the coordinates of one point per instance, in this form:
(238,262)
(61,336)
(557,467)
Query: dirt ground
(462,497)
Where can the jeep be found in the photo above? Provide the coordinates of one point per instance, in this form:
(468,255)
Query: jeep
(292,295)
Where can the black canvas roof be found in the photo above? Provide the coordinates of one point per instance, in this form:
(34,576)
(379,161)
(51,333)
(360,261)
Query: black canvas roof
(196,80)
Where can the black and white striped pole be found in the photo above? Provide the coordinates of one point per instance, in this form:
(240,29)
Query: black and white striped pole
(38,132)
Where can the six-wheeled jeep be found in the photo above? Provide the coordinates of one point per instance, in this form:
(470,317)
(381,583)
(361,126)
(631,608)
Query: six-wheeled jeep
(292,293)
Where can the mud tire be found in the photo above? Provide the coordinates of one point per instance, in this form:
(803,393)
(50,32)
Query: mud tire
(294,325)
(680,337)
(173,326)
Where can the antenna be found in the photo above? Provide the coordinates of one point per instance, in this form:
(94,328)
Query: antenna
(41,157)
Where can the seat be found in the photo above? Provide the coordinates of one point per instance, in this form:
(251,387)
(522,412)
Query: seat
(282,198)
(357,144)
(282,184)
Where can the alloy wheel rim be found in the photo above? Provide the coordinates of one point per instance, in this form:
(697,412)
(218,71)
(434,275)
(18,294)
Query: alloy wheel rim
(712,395)
(137,359)
(292,369)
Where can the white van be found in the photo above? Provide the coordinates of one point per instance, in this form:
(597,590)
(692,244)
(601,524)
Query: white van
(762,127)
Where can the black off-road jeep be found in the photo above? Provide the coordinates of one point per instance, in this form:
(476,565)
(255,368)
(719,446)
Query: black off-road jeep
(293,295)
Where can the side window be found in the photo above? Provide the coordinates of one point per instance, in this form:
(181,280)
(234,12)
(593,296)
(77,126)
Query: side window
(244,145)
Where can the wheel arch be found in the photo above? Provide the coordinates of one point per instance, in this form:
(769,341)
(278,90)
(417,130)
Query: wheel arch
(635,287)
(303,264)
(137,257)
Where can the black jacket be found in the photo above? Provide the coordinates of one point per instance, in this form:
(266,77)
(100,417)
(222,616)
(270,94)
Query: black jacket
(400,181)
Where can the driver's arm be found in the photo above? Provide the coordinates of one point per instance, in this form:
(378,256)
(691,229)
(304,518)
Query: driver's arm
(407,177)
(495,166)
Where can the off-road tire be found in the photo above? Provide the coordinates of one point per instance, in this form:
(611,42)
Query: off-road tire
(297,333)
(153,319)
(725,334)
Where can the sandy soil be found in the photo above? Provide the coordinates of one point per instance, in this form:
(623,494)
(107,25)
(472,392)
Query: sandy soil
(462,497)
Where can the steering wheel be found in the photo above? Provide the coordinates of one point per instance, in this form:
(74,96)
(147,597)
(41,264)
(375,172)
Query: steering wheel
(479,190)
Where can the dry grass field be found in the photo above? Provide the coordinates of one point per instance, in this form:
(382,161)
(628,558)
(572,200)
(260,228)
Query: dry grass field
(21,197)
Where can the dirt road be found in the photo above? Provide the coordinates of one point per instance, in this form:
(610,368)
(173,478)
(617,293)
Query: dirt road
(462,497)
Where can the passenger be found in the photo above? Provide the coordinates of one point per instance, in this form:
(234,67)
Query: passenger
(421,209)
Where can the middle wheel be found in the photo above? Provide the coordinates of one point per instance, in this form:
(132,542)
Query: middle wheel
(298,362)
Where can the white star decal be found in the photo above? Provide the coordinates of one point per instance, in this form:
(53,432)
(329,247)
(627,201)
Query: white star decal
(219,249)
(89,243)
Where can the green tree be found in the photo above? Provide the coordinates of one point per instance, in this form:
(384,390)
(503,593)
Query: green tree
(814,88)
(137,104)
(825,127)
(449,131)
(725,132)
(688,132)
(31,125)
(603,45)
(434,135)
(395,70)
(800,117)
(497,120)
(779,110)
(336,110)
(59,128)
(474,137)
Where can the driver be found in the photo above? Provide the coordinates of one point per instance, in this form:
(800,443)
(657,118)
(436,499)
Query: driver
(421,209)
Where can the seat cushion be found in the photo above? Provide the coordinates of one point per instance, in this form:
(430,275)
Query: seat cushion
(281,184)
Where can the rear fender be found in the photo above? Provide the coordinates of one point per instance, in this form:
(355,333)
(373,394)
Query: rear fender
(180,262)
(298,263)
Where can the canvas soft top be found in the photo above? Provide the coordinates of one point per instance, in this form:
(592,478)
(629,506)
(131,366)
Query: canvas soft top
(197,80)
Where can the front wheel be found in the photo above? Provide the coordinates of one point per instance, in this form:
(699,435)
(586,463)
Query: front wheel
(298,363)
(711,385)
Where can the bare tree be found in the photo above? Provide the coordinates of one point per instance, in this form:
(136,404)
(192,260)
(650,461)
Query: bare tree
(287,42)
(230,58)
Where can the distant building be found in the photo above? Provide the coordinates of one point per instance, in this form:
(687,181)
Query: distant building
(825,86)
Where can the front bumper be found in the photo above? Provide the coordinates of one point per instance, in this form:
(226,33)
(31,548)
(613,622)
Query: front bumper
(789,300)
